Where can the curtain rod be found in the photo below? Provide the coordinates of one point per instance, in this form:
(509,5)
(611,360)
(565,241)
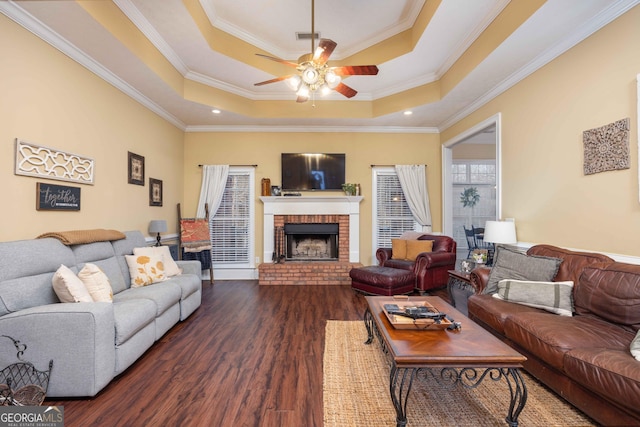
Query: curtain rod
(386,166)
(253,166)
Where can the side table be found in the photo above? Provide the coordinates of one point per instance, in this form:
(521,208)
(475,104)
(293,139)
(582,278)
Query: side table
(460,289)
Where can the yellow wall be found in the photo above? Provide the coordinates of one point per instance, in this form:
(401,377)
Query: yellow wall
(50,100)
(361,149)
(543,118)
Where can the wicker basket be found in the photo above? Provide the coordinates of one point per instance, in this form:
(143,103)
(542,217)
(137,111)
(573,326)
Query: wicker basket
(21,384)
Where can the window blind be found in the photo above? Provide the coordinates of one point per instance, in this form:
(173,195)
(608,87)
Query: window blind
(230,227)
(391,211)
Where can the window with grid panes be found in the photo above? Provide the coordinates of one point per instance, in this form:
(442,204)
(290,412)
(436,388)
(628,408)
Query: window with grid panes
(480,174)
(392,215)
(230,227)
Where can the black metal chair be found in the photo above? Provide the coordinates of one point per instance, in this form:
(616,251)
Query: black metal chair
(471,241)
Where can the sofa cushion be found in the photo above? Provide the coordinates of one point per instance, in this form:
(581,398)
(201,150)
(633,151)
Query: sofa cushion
(635,346)
(611,292)
(96,282)
(145,270)
(402,264)
(511,264)
(550,337)
(189,284)
(494,312)
(611,373)
(550,296)
(416,247)
(572,261)
(69,287)
(398,249)
(165,295)
(132,316)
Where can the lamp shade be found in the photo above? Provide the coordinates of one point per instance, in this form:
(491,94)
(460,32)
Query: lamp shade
(158,226)
(500,232)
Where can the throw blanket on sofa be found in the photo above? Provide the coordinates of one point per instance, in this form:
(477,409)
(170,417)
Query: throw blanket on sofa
(78,237)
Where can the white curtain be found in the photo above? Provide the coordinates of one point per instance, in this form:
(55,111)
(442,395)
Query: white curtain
(214,181)
(413,180)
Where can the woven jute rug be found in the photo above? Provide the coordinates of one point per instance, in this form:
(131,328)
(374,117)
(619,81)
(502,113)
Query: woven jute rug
(356,392)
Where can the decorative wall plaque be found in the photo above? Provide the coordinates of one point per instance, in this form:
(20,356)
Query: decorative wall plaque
(606,148)
(50,197)
(44,162)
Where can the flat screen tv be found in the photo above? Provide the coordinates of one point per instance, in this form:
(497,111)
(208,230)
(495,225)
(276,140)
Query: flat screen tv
(307,172)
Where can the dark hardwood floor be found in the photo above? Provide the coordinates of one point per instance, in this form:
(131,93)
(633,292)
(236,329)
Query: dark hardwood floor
(249,356)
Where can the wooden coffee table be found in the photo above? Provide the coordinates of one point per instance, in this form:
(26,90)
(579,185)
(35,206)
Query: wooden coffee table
(463,356)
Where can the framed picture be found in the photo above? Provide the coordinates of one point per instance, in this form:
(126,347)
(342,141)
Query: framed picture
(51,197)
(155,192)
(466,265)
(136,169)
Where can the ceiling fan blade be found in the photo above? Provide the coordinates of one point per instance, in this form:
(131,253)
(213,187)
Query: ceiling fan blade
(345,90)
(277,79)
(282,61)
(323,51)
(356,70)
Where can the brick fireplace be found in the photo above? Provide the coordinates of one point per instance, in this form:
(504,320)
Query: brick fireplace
(320,246)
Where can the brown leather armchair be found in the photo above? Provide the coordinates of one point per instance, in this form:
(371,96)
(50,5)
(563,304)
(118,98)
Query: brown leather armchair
(431,268)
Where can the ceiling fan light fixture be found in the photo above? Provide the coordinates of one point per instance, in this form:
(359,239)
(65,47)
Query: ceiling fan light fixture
(294,82)
(310,75)
(325,90)
(332,79)
(303,92)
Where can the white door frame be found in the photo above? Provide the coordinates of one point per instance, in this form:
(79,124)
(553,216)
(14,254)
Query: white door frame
(447,161)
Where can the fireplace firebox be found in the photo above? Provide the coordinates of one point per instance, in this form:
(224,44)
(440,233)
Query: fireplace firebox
(311,241)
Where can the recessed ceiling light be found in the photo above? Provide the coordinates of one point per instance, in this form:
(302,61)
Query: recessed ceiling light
(215,111)
(408,113)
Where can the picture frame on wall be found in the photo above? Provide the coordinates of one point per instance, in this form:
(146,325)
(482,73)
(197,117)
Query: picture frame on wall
(136,169)
(155,192)
(52,197)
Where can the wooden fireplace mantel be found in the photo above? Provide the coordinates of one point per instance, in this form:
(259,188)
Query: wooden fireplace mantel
(312,205)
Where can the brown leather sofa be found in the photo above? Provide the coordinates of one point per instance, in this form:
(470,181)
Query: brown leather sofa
(430,268)
(584,358)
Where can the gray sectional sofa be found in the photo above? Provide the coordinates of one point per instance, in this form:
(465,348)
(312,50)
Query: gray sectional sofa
(89,343)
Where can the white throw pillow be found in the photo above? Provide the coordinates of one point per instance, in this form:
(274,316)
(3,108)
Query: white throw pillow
(145,270)
(170,266)
(97,283)
(68,287)
(635,346)
(555,297)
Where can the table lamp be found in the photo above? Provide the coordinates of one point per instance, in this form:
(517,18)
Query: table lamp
(157,226)
(500,232)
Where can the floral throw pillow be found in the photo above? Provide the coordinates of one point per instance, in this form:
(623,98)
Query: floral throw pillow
(145,270)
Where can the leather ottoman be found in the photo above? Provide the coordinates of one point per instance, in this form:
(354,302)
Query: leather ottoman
(386,281)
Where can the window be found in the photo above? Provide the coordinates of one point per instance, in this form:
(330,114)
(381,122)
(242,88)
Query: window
(466,176)
(391,213)
(232,226)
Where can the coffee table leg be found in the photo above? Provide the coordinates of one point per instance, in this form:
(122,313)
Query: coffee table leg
(400,382)
(518,391)
(368,322)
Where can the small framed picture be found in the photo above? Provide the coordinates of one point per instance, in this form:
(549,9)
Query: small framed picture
(155,192)
(136,169)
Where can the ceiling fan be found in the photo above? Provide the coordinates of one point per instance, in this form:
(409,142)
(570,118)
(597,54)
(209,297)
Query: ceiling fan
(313,72)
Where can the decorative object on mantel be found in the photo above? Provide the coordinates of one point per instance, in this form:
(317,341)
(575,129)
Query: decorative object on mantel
(275,190)
(43,162)
(266,187)
(155,192)
(50,197)
(607,148)
(136,169)
(349,189)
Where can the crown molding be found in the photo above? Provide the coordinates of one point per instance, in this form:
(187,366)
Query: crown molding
(312,129)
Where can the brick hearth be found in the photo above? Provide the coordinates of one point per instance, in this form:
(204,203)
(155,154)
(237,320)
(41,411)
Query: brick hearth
(311,272)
